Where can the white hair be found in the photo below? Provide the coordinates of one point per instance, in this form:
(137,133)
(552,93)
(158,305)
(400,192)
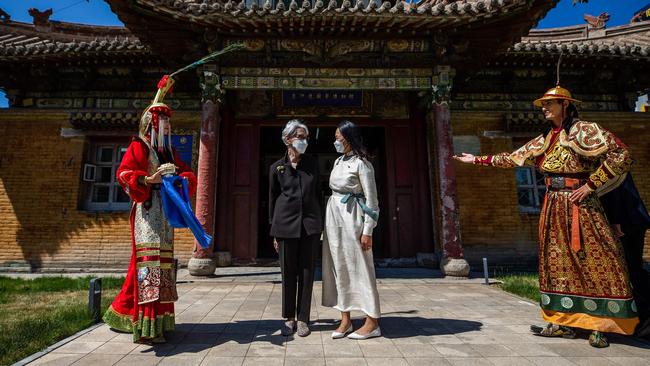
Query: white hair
(290,129)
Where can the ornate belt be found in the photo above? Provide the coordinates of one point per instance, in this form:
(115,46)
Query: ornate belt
(560,183)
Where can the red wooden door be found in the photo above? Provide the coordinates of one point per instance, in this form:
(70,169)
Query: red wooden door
(238,189)
(408,212)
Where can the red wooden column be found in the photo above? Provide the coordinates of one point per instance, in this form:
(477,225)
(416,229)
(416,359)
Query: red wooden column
(452,263)
(202,262)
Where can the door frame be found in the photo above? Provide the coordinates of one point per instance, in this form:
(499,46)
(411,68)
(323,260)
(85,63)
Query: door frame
(228,188)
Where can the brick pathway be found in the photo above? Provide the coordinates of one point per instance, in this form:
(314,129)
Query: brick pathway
(425,322)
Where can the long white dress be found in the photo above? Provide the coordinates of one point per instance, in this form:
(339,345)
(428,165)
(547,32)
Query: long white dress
(348,272)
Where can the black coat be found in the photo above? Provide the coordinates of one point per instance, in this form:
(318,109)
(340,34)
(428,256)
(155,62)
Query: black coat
(624,206)
(294,198)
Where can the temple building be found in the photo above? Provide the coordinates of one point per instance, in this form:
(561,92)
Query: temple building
(424,80)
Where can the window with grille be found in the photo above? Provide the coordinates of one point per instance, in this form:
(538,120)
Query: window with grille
(530,189)
(103,191)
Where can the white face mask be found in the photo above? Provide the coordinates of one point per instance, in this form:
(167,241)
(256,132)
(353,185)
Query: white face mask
(300,145)
(340,148)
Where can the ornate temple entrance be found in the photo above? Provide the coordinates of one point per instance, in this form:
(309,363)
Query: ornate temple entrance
(398,146)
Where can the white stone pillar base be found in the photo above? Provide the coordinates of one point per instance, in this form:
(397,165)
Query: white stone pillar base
(454,267)
(201,266)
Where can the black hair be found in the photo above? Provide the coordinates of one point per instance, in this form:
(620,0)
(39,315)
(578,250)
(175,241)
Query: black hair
(571,116)
(352,134)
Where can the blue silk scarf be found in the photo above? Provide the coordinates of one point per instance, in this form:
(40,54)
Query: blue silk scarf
(176,204)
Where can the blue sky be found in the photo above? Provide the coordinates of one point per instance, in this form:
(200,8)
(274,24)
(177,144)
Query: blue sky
(98,12)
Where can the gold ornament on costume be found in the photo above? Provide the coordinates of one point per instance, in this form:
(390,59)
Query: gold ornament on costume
(167,169)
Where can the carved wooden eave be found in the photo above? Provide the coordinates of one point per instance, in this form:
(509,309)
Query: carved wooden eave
(333,18)
(462,30)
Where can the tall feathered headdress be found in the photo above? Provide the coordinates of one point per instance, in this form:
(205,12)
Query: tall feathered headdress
(149,122)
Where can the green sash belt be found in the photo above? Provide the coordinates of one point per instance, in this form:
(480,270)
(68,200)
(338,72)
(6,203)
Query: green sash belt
(361,200)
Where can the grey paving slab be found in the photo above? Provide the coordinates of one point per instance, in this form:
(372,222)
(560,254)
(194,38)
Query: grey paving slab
(234,319)
(342,350)
(94,359)
(345,361)
(115,348)
(469,362)
(181,360)
(418,350)
(393,361)
(263,361)
(78,347)
(139,360)
(56,359)
(427,362)
(545,361)
(302,361)
(158,350)
(222,361)
(630,361)
(305,351)
(592,361)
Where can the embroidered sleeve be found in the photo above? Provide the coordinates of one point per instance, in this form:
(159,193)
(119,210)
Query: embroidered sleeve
(132,171)
(615,160)
(523,156)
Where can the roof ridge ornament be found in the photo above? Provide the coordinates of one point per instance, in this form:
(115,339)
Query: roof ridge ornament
(40,17)
(598,22)
(4,16)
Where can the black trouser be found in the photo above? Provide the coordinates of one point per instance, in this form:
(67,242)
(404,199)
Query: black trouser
(297,257)
(633,242)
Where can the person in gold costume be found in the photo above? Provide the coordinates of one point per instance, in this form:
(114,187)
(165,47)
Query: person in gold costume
(583,278)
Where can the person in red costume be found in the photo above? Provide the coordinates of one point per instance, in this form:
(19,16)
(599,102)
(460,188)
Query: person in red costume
(145,305)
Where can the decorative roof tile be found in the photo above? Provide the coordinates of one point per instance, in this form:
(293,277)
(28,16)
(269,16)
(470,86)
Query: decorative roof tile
(22,40)
(628,41)
(267,16)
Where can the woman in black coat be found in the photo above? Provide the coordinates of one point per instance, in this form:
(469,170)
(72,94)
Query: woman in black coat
(296,225)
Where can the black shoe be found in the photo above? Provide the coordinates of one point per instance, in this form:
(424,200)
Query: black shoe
(288,328)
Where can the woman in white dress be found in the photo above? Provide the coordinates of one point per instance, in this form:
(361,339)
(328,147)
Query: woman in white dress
(351,215)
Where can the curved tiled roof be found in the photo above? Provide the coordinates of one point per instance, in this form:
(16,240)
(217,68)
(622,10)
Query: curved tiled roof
(22,40)
(331,17)
(627,41)
(250,9)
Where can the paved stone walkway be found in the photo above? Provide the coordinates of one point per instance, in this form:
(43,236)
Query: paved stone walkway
(424,323)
